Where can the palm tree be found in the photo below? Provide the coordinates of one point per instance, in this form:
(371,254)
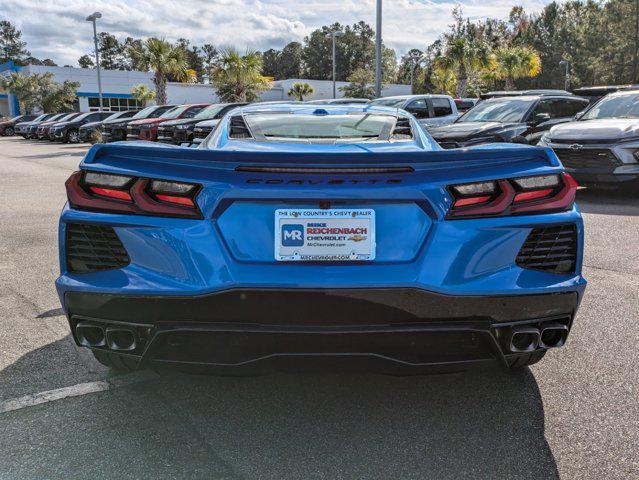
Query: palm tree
(464,57)
(164,60)
(300,90)
(238,77)
(443,76)
(517,62)
(143,94)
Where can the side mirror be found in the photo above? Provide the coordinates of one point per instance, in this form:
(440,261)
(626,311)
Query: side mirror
(541,118)
(579,115)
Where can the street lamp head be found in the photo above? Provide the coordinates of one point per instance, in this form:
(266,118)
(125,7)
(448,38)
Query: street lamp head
(94,16)
(563,63)
(336,33)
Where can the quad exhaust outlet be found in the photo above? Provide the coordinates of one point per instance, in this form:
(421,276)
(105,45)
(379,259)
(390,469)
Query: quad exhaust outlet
(90,335)
(118,338)
(121,339)
(527,338)
(553,335)
(524,339)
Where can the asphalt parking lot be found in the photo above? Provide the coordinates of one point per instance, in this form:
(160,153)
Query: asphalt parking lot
(574,415)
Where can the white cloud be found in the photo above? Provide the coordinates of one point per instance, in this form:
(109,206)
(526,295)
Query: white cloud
(56,29)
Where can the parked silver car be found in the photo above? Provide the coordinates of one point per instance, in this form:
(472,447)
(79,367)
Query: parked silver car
(602,145)
(430,110)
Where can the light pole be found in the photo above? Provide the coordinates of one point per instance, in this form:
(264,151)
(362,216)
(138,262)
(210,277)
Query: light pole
(378,49)
(333,36)
(566,65)
(92,18)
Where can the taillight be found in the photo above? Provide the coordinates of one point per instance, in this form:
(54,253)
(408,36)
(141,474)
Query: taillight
(514,196)
(124,194)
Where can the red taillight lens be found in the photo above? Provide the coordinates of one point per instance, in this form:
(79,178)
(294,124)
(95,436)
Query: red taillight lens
(513,196)
(464,202)
(108,192)
(534,195)
(176,200)
(124,194)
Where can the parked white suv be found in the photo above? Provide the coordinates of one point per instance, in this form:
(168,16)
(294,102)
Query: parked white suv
(430,110)
(602,145)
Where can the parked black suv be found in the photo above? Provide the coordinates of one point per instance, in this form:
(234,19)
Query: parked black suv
(181,131)
(88,130)
(68,131)
(520,119)
(115,130)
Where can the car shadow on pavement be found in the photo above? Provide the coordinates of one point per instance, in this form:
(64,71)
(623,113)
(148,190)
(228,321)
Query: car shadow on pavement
(477,424)
(609,202)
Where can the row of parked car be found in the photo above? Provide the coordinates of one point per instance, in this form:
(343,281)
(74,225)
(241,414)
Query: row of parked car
(595,134)
(177,124)
(594,131)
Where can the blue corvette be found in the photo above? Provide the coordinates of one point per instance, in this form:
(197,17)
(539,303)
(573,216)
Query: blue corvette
(302,235)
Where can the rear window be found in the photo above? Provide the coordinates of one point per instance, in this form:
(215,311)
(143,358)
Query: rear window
(464,105)
(441,107)
(364,126)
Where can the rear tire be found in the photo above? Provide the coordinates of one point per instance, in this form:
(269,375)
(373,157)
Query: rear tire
(115,361)
(9,132)
(522,361)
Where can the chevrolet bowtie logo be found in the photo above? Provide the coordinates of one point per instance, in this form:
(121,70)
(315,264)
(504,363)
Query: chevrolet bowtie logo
(575,146)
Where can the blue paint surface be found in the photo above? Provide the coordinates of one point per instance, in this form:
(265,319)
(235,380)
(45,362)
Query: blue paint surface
(233,245)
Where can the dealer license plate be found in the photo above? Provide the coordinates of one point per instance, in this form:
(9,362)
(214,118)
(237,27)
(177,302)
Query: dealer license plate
(332,235)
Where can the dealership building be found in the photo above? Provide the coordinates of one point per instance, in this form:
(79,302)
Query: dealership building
(117,85)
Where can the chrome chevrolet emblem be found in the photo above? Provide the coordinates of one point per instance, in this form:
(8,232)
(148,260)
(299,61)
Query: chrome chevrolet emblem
(575,146)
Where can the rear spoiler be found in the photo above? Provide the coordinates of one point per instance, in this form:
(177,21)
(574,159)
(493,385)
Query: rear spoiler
(136,158)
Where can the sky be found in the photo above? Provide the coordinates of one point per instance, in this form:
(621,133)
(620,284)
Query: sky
(57,29)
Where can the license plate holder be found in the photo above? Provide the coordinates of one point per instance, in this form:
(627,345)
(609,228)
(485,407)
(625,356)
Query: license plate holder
(324,235)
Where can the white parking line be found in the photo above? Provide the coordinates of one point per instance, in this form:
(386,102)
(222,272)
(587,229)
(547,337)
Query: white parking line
(73,391)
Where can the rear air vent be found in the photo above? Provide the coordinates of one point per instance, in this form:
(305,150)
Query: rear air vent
(402,129)
(90,248)
(552,249)
(238,128)
(364,170)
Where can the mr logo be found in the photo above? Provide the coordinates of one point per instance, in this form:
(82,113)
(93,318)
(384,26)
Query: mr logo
(292,235)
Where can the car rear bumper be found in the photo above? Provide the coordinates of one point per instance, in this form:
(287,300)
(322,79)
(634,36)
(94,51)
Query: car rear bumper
(386,329)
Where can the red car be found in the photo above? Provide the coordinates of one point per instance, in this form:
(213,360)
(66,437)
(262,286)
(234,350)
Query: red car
(147,129)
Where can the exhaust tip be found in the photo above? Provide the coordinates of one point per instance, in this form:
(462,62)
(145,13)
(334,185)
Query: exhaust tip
(524,339)
(121,339)
(553,335)
(90,335)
